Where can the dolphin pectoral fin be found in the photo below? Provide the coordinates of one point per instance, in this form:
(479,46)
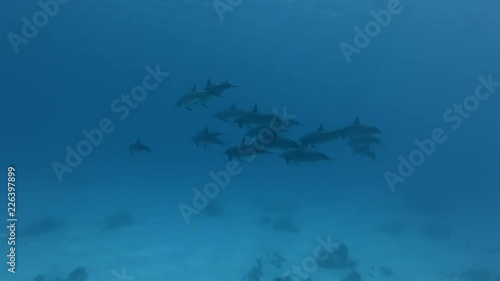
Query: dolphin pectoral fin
(204,105)
(297,163)
(188,108)
(287,161)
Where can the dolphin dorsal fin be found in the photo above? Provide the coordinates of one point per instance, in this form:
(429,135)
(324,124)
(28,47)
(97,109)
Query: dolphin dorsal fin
(233,106)
(209,83)
(255,109)
(356,122)
(206,130)
(194,88)
(320,129)
(138,140)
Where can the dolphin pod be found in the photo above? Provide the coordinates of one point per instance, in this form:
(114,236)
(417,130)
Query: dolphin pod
(265,132)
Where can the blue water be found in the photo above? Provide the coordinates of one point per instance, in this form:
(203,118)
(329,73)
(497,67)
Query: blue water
(440,220)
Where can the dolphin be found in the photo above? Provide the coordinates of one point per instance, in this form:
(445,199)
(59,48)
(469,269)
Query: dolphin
(262,132)
(207,138)
(232,113)
(365,141)
(243,151)
(195,97)
(320,136)
(284,143)
(138,147)
(262,119)
(303,155)
(207,132)
(251,120)
(286,123)
(364,151)
(356,130)
(219,87)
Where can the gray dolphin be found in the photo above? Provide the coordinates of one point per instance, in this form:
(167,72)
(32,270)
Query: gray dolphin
(207,138)
(254,119)
(281,142)
(303,155)
(138,147)
(251,120)
(195,97)
(357,130)
(364,141)
(263,131)
(243,151)
(232,113)
(320,136)
(364,151)
(219,87)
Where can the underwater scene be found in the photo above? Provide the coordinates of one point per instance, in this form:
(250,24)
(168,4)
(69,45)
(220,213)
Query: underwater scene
(250,140)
